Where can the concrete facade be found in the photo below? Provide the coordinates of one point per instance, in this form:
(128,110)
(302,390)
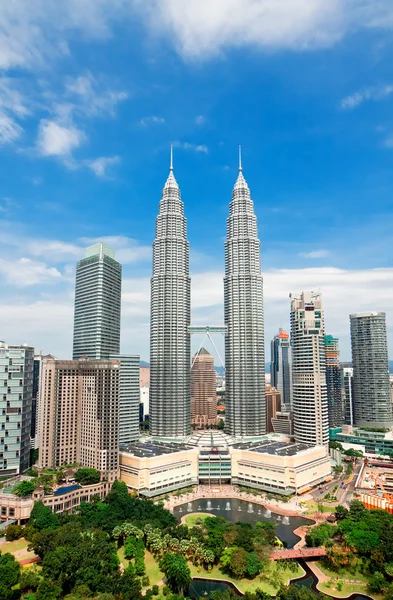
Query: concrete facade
(79,414)
(129,397)
(203,389)
(273,405)
(310,406)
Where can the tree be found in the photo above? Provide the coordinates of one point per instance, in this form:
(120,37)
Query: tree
(176,570)
(9,575)
(24,489)
(338,469)
(13,532)
(238,562)
(376,583)
(341,512)
(48,591)
(29,581)
(357,510)
(86,476)
(319,535)
(41,517)
(253,565)
(364,542)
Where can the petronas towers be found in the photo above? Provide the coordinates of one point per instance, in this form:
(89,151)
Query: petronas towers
(171,313)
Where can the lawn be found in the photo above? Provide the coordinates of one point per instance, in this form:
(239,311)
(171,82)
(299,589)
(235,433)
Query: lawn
(191,520)
(342,573)
(14,546)
(312,507)
(347,590)
(152,569)
(251,584)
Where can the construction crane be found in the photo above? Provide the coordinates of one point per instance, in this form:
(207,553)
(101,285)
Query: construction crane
(378,482)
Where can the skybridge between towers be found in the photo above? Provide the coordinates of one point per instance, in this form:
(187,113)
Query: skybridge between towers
(208,331)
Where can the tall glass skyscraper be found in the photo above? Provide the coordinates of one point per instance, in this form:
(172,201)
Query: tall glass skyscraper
(16,371)
(243,313)
(281,368)
(372,401)
(310,406)
(97,304)
(333,382)
(129,397)
(169,403)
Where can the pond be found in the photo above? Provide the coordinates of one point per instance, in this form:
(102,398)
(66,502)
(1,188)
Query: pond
(236,510)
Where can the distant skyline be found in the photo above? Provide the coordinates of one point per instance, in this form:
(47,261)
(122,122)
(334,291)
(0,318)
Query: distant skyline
(90,101)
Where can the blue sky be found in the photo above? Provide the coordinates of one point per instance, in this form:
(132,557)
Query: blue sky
(93,92)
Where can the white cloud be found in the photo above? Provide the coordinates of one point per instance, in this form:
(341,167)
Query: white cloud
(200,120)
(358,98)
(56,139)
(127,249)
(25,272)
(153,120)
(10,131)
(90,99)
(189,146)
(315,254)
(100,166)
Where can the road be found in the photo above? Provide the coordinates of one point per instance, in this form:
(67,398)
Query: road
(344,492)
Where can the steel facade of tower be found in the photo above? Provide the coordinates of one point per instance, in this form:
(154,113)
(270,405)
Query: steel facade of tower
(97,304)
(281,368)
(169,402)
(244,318)
(310,406)
(333,382)
(372,402)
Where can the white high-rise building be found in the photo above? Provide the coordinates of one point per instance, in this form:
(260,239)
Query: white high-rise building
(243,314)
(16,373)
(310,404)
(170,311)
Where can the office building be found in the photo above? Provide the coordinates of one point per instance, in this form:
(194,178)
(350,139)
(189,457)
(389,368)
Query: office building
(97,304)
(169,404)
(144,376)
(333,382)
(372,402)
(273,406)
(244,319)
(310,406)
(203,390)
(16,372)
(34,403)
(281,367)
(129,397)
(283,423)
(79,414)
(347,393)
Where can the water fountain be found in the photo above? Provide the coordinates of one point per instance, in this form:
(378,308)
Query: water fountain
(228,506)
(189,507)
(199,507)
(240,509)
(209,505)
(218,507)
(268,513)
(278,518)
(285,521)
(180,509)
(250,508)
(259,511)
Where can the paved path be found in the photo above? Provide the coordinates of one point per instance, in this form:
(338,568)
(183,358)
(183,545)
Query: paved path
(298,553)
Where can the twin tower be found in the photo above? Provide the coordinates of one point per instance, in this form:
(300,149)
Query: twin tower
(170,402)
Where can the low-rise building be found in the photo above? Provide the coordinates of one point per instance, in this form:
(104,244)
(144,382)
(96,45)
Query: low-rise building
(271,463)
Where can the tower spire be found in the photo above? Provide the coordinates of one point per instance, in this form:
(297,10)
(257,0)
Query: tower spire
(240,159)
(171,160)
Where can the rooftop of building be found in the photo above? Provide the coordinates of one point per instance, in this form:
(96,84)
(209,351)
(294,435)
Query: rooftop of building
(151,448)
(275,447)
